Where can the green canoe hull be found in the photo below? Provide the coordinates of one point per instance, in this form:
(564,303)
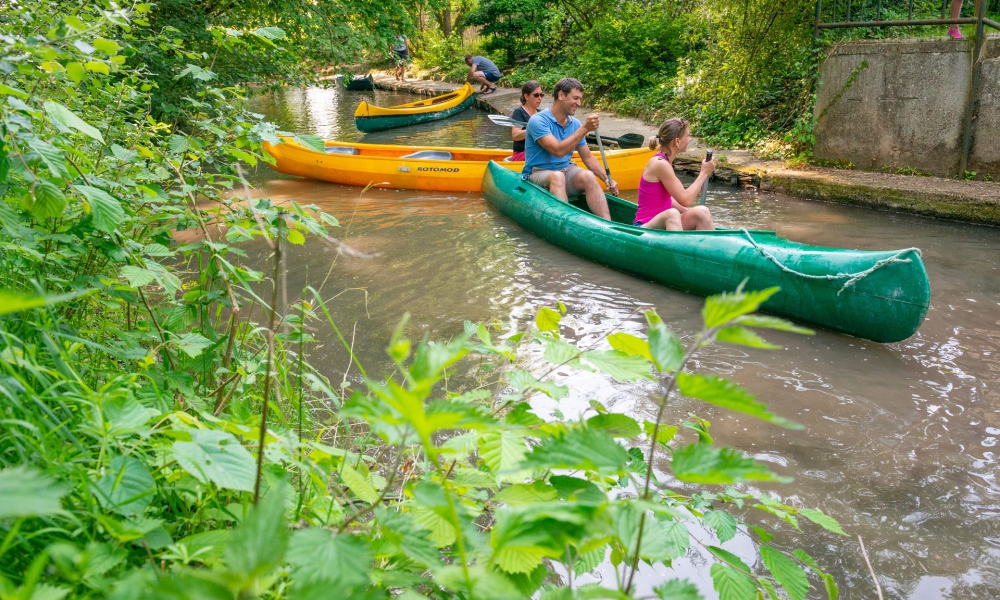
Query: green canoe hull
(888,304)
(359,84)
(370,124)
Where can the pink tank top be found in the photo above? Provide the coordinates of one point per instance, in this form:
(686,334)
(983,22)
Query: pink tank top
(653,198)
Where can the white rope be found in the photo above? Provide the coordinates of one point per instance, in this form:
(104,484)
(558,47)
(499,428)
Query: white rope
(852,278)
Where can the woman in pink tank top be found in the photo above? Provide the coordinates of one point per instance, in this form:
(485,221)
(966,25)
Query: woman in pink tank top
(663,200)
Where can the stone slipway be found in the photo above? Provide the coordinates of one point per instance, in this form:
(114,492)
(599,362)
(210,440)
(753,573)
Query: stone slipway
(971,201)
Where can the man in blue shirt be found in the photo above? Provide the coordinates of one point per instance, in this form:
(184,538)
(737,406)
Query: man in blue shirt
(552,137)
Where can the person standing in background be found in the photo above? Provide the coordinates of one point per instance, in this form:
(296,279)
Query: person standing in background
(402,51)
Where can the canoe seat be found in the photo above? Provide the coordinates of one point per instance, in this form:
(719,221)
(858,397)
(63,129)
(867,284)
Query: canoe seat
(341,150)
(430,155)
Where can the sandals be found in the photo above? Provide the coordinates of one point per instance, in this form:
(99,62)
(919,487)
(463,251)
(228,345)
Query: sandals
(490,90)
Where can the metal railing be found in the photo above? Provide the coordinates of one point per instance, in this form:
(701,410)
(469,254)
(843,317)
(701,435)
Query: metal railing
(981,21)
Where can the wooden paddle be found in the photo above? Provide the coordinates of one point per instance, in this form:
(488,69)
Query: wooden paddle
(627,141)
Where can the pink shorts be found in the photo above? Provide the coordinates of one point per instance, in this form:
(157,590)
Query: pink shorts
(517,157)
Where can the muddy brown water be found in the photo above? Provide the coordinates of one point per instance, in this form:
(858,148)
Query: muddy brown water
(900,439)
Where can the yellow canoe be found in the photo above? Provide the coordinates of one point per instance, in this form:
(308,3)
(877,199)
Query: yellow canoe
(422,167)
(369,117)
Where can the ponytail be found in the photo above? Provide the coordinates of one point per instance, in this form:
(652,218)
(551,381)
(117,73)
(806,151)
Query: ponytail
(671,129)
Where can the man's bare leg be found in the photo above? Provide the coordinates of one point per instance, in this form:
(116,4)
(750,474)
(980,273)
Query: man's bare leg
(596,200)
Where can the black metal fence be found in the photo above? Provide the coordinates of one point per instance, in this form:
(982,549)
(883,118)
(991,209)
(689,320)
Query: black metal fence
(870,13)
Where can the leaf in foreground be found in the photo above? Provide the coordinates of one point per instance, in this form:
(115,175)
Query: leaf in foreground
(25,492)
(725,307)
(823,520)
(701,463)
(678,589)
(731,584)
(785,572)
(727,394)
(320,556)
(258,544)
(127,488)
(217,456)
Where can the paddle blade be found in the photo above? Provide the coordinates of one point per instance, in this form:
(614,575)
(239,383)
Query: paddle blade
(505,121)
(631,140)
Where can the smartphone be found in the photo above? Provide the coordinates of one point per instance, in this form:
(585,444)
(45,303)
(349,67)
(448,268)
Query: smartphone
(708,155)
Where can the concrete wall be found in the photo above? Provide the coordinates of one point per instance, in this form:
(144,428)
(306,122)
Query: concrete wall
(906,108)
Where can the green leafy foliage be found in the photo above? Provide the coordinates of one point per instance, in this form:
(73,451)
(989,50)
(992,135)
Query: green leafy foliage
(135,374)
(25,492)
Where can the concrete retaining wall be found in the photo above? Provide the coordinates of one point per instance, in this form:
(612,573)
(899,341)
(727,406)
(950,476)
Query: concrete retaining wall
(906,106)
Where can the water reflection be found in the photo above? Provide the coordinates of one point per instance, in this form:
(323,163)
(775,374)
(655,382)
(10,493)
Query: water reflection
(900,439)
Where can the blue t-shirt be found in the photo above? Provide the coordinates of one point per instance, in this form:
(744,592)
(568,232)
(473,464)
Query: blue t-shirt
(544,123)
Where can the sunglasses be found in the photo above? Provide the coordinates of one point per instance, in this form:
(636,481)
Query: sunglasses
(539,95)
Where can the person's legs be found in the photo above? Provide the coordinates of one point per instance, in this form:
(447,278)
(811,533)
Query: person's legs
(481,78)
(697,217)
(554,181)
(956,11)
(582,180)
(669,219)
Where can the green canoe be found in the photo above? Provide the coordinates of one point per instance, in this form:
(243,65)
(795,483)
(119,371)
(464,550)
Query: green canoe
(881,296)
(358,83)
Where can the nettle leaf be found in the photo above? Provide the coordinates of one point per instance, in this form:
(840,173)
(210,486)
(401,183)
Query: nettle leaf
(579,449)
(727,394)
(701,463)
(558,352)
(474,478)
(502,451)
(664,346)
(413,541)
(258,544)
(630,344)
(723,523)
(725,307)
(785,572)
(127,488)
(522,380)
(521,414)
(743,337)
(731,582)
(616,425)
(321,556)
(766,322)
(678,589)
(664,434)
(26,492)
(574,489)
(51,156)
(45,200)
(619,365)
(548,320)
(106,209)
(178,144)
(59,113)
(359,485)
(217,456)
(825,521)
(524,494)
(137,276)
(192,344)
(313,142)
(295,236)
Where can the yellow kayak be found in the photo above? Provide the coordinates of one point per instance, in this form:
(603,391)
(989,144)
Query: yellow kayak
(370,118)
(422,167)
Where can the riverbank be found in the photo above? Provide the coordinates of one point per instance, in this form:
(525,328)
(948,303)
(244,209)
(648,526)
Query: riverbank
(971,201)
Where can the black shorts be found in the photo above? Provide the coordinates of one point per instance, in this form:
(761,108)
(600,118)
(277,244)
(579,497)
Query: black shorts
(402,57)
(491,77)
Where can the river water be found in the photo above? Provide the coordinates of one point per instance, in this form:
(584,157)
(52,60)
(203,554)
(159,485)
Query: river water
(900,439)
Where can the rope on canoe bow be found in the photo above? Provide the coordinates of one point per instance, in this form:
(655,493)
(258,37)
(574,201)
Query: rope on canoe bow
(852,278)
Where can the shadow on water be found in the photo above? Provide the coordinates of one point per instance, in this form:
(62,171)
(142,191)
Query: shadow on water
(900,439)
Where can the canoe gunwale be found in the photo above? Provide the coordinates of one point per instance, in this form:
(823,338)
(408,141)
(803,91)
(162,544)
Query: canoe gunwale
(430,105)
